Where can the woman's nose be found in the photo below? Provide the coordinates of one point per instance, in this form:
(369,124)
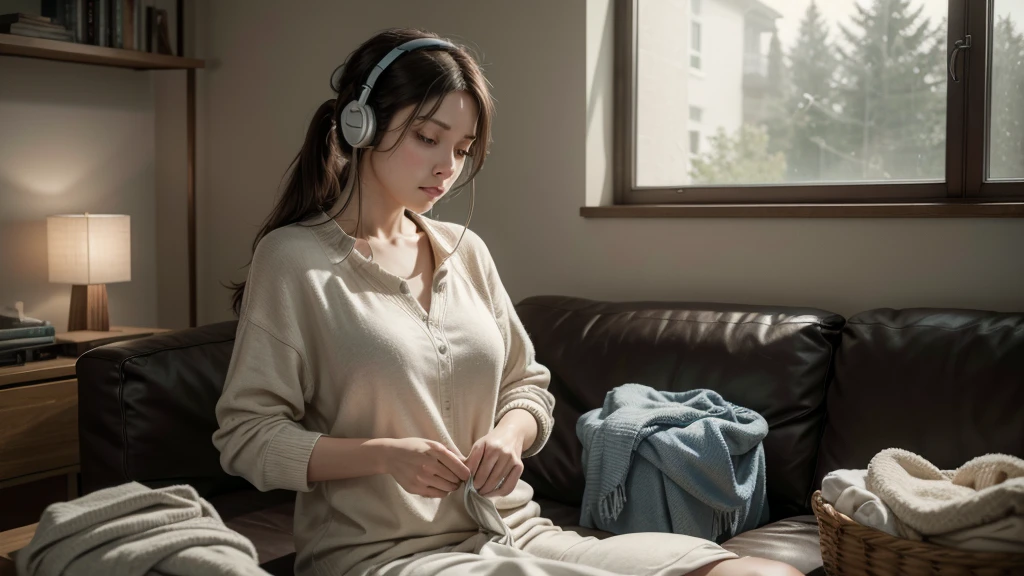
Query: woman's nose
(445,167)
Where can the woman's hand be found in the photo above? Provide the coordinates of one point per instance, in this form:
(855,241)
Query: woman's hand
(424,467)
(497,458)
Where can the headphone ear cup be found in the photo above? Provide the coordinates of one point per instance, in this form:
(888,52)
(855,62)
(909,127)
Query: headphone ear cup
(357,124)
(371,127)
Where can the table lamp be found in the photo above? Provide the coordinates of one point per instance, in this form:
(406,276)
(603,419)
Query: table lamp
(89,251)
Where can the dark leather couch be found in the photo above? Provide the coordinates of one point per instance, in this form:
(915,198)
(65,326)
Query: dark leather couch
(947,384)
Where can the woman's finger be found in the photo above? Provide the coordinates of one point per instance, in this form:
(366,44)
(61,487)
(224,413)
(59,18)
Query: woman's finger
(497,460)
(439,469)
(511,479)
(501,471)
(452,462)
(440,483)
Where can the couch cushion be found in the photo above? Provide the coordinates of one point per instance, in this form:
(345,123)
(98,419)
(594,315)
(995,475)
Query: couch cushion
(945,384)
(773,360)
(146,410)
(265,518)
(793,540)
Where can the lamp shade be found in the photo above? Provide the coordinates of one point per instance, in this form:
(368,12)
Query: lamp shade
(89,248)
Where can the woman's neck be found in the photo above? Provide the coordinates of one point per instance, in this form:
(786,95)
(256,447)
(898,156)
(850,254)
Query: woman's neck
(378,220)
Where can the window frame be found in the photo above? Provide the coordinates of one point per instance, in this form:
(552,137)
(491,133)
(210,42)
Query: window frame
(979,24)
(696,35)
(964,164)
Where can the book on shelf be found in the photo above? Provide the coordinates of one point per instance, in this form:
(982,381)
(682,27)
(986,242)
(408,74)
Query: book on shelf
(28,19)
(22,25)
(22,356)
(109,23)
(19,29)
(26,342)
(26,332)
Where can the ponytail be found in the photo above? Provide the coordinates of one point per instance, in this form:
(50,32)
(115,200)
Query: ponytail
(317,174)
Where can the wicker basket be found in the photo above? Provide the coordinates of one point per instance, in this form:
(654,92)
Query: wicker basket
(849,548)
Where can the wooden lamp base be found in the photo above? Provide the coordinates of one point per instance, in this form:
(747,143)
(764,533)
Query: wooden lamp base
(89,308)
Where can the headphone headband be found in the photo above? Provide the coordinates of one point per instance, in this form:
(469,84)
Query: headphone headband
(393,55)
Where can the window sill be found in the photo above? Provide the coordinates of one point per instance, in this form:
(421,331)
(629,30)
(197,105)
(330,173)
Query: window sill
(906,210)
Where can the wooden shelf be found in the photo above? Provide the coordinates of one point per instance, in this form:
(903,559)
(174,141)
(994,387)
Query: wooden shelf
(13,45)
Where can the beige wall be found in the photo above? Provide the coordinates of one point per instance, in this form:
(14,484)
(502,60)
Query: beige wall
(550,66)
(74,139)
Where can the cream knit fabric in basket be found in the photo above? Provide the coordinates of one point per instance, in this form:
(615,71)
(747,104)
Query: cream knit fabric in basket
(928,501)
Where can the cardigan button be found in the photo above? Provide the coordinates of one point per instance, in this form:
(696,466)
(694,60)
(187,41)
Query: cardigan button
(442,348)
(404,287)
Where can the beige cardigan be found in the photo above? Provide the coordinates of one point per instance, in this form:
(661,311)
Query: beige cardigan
(330,343)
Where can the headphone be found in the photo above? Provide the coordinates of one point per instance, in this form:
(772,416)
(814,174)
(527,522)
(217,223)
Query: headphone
(358,124)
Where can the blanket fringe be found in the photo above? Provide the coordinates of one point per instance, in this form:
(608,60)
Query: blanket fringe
(612,503)
(722,522)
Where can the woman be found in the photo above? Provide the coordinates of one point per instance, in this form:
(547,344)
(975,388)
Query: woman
(380,370)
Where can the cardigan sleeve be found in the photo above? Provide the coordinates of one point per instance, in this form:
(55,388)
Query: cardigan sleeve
(263,401)
(524,381)
(268,383)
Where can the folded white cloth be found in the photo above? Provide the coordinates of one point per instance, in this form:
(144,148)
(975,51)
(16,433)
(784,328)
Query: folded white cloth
(930,502)
(133,530)
(847,492)
(1006,535)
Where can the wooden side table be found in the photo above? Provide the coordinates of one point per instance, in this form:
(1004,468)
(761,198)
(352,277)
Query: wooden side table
(12,541)
(39,436)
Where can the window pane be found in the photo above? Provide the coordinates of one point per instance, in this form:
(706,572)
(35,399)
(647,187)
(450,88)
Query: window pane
(1006,143)
(694,142)
(792,91)
(695,114)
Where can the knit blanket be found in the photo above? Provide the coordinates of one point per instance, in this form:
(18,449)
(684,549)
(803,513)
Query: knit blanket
(132,530)
(700,471)
(929,501)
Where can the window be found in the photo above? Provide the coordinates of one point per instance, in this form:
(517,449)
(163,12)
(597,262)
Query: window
(695,41)
(1006,138)
(810,102)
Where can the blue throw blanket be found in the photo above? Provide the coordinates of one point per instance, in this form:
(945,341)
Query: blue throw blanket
(701,468)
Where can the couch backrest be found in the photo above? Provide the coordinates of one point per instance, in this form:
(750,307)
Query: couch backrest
(146,410)
(945,384)
(773,360)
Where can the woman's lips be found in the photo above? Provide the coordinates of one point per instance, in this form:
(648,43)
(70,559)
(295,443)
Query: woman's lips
(433,192)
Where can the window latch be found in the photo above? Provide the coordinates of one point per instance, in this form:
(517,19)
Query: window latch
(957,47)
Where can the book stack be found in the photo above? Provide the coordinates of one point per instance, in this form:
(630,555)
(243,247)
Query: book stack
(127,24)
(35,26)
(25,339)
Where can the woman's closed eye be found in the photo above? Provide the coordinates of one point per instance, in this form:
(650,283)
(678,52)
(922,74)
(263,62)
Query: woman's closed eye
(431,142)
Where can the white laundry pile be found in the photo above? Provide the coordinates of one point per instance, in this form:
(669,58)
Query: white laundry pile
(979,506)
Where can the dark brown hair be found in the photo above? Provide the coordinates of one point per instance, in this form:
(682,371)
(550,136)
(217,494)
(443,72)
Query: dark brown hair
(323,169)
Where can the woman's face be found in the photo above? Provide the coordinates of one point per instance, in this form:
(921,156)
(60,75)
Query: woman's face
(428,161)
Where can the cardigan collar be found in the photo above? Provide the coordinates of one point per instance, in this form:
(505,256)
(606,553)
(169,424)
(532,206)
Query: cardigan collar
(338,245)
